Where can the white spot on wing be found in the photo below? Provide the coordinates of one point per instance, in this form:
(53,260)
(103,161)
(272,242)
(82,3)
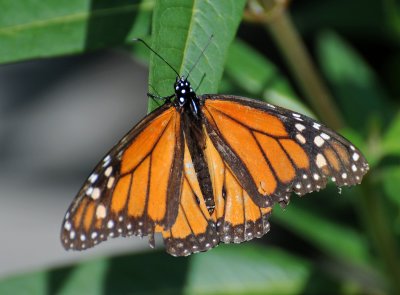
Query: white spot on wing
(106,161)
(300,138)
(67,225)
(95,193)
(320,161)
(110,182)
(318,141)
(271,106)
(108,171)
(101,211)
(93,178)
(300,127)
(89,191)
(325,136)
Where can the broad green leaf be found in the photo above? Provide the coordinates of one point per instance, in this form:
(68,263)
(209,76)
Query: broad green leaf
(244,269)
(334,239)
(253,72)
(27,284)
(355,85)
(180,33)
(259,77)
(36,29)
(391,140)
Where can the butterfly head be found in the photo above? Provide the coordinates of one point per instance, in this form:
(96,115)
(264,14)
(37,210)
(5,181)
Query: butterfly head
(183,91)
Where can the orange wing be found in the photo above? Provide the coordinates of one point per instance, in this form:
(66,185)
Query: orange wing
(272,151)
(135,190)
(236,217)
(194,229)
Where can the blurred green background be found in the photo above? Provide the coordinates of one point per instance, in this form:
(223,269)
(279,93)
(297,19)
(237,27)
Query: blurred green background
(335,60)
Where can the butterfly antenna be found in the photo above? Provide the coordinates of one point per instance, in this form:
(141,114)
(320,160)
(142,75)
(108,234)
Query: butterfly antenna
(200,55)
(201,81)
(152,50)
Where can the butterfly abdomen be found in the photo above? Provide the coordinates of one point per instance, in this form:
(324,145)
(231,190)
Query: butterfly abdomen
(193,132)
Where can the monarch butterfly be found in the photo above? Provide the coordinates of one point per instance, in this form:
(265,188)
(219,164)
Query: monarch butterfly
(206,169)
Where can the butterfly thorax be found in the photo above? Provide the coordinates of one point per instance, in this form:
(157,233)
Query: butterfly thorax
(185,96)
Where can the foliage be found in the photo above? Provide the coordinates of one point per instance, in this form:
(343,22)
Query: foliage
(348,244)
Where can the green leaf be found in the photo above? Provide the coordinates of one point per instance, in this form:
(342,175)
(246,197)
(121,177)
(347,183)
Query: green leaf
(181,31)
(36,29)
(244,269)
(355,85)
(391,183)
(332,238)
(253,72)
(33,283)
(259,77)
(391,142)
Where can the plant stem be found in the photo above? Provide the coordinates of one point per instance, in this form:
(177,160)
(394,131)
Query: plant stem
(378,226)
(273,15)
(303,69)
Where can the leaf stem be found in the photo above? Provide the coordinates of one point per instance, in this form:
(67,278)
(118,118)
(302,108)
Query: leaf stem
(278,22)
(300,63)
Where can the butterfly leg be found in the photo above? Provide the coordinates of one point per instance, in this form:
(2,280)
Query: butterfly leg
(159,97)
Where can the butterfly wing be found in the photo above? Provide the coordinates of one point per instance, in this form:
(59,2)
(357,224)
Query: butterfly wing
(256,154)
(273,151)
(236,217)
(194,229)
(135,190)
